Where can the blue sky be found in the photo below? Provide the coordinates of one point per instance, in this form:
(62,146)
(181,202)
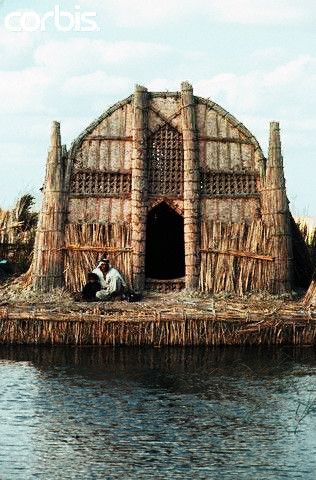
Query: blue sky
(257,59)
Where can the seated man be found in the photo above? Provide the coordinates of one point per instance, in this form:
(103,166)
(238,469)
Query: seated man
(92,286)
(112,282)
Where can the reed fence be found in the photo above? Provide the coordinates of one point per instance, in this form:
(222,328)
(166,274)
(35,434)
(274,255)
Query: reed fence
(284,327)
(235,257)
(85,244)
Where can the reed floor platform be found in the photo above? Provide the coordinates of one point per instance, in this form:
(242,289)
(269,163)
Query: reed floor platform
(157,320)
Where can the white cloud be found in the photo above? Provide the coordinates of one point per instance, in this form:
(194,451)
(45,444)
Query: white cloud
(130,13)
(14,47)
(269,53)
(257,11)
(24,91)
(77,75)
(307,124)
(97,83)
(74,67)
(84,54)
(290,72)
(258,89)
(241,91)
(144,13)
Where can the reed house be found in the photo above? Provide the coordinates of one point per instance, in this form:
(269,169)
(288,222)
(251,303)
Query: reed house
(177,191)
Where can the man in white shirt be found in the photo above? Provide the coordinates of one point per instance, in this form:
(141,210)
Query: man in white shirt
(112,282)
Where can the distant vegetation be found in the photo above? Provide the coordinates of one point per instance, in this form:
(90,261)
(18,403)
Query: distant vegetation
(309,235)
(17,233)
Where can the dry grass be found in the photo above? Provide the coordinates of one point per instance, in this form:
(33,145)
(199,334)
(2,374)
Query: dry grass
(18,293)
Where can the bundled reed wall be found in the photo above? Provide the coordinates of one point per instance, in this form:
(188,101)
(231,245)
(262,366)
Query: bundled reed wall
(236,257)
(85,244)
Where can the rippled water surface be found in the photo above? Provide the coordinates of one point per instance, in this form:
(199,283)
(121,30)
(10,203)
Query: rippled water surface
(89,413)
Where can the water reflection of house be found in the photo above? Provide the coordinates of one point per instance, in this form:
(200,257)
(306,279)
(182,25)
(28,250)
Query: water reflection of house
(178,192)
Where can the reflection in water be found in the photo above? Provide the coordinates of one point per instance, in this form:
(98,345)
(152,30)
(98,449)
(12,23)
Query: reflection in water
(157,413)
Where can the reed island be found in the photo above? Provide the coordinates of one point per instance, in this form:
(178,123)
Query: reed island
(180,196)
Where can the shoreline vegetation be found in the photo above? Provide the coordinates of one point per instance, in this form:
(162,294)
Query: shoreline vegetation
(17,233)
(178,318)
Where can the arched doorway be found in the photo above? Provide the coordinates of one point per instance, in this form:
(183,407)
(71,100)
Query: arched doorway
(164,243)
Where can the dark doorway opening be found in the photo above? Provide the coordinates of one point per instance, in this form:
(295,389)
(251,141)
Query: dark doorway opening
(164,243)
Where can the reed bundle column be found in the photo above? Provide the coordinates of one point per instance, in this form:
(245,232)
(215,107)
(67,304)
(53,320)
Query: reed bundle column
(275,211)
(47,267)
(139,185)
(191,194)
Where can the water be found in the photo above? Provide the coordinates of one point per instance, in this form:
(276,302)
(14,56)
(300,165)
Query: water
(90,413)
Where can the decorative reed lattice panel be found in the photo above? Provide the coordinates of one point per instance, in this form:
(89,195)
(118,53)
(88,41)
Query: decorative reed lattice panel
(165,166)
(100,183)
(228,183)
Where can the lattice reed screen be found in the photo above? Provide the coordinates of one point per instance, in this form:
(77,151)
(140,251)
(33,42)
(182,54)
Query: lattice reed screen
(100,183)
(228,184)
(165,169)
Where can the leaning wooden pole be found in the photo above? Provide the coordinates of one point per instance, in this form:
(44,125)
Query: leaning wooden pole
(139,185)
(310,295)
(275,212)
(191,202)
(47,267)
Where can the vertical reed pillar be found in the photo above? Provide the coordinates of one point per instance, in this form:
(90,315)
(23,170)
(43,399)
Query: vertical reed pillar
(276,214)
(139,185)
(47,267)
(191,194)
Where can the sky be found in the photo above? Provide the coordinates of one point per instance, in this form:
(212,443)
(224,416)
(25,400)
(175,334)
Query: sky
(72,60)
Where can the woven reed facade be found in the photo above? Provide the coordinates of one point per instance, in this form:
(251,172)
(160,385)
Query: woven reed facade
(176,190)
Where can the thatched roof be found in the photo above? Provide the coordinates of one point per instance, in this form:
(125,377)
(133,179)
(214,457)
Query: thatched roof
(199,100)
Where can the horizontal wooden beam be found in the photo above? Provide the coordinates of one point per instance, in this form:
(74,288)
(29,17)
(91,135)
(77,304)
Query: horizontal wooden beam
(100,195)
(239,253)
(129,138)
(224,140)
(93,248)
(230,195)
(110,138)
